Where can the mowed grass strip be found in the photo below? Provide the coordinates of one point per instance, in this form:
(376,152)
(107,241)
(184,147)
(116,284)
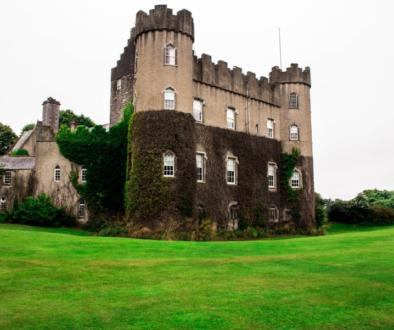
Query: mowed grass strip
(51,280)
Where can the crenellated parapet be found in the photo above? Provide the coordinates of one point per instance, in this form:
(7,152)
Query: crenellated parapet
(125,66)
(294,74)
(233,80)
(161,18)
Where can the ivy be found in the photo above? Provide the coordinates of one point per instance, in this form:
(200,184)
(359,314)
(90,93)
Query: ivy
(104,155)
(289,162)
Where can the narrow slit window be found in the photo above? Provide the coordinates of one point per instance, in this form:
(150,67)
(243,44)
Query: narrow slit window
(200,167)
(169,161)
(57,174)
(231,170)
(119,84)
(257,128)
(169,99)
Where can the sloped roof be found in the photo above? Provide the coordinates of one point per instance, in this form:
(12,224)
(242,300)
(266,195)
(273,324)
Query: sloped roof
(18,163)
(21,141)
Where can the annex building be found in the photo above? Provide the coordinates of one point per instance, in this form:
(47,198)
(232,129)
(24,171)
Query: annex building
(218,133)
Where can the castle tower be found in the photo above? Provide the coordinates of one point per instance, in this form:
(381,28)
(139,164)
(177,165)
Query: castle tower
(164,60)
(50,114)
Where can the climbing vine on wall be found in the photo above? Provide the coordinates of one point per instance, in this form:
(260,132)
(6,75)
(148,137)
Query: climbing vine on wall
(289,162)
(104,155)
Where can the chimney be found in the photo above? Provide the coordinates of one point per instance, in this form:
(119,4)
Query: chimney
(50,114)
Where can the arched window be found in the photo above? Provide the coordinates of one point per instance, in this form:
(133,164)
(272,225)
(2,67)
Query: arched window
(231,170)
(273,213)
(271,176)
(3,204)
(295,179)
(57,173)
(169,164)
(200,167)
(293,132)
(293,100)
(170,54)
(233,217)
(81,208)
(257,128)
(169,99)
(270,128)
(83,174)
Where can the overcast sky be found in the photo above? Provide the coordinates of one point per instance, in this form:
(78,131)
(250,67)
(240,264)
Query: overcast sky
(66,49)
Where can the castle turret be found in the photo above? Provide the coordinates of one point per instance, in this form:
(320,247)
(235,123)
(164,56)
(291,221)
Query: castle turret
(50,114)
(164,46)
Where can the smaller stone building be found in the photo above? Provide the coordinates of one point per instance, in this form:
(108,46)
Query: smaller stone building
(45,170)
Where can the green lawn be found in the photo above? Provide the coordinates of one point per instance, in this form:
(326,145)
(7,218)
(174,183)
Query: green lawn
(50,279)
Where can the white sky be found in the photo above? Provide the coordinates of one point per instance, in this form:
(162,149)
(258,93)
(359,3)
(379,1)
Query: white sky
(66,49)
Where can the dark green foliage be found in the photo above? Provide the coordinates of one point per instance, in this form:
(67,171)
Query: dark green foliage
(258,217)
(39,212)
(371,207)
(28,127)
(320,213)
(7,138)
(20,152)
(289,162)
(104,155)
(67,116)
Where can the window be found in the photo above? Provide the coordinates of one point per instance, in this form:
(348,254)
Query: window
(200,167)
(169,164)
(270,128)
(293,100)
(233,217)
(257,128)
(230,118)
(271,176)
(83,174)
(170,54)
(136,61)
(57,174)
(273,213)
(169,99)
(294,132)
(2,204)
(7,178)
(119,84)
(197,110)
(230,170)
(295,179)
(81,208)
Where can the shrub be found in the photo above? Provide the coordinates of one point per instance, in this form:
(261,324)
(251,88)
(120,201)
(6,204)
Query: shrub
(381,215)
(40,212)
(320,213)
(20,152)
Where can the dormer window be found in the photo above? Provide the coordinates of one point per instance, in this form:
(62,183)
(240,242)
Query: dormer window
(169,98)
(170,54)
(293,101)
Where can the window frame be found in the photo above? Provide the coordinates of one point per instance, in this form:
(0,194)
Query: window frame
(201,111)
(57,174)
(293,103)
(274,179)
(7,180)
(235,170)
(174,56)
(170,88)
(83,174)
(3,204)
(203,156)
(233,216)
(270,130)
(295,183)
(273,214)
(232,120)
(292,134)
(81,206)
(170,173)
(119,84)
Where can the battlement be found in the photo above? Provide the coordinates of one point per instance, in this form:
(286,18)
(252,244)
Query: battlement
(161,18)
(219,75)
(291,75)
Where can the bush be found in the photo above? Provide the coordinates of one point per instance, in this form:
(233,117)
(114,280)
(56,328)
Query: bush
(320,213)
(20,152)
(40,212)
(381,215)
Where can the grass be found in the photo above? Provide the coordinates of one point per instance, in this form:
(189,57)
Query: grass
(52,280)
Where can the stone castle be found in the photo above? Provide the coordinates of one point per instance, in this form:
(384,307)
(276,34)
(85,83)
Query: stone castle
(227,130)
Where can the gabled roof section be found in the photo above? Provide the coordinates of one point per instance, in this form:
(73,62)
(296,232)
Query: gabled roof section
(18,163)
(21,141)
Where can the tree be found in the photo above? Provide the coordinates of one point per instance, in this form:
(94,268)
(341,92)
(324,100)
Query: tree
(67,116)
(7,138)
(28,127)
